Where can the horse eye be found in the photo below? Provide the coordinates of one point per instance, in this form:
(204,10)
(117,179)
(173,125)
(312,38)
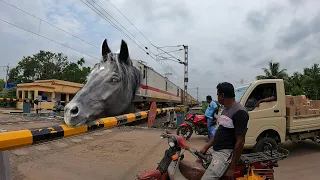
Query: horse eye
(114,80)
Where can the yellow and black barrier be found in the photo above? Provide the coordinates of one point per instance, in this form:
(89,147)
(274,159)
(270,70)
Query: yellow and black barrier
(21,100)
(14,139)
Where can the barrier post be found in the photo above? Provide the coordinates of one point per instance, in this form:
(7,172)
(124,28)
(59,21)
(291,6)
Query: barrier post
(181,115)
(5,168)
(26,106)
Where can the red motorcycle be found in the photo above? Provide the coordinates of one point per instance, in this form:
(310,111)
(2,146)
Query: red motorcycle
(193,121)
(172,166)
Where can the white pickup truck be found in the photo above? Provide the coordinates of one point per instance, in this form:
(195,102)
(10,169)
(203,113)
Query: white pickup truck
(272,123)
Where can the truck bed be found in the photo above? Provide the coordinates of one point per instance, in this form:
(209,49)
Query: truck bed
(303,123)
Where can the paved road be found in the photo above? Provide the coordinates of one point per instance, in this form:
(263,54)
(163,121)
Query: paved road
(123,152)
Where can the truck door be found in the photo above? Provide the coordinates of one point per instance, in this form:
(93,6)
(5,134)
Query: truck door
(269,115)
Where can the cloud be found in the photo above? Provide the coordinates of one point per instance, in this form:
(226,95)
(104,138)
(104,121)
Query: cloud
(228,40)
(258,20)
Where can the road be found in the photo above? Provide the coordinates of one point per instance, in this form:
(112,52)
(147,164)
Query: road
(123,152)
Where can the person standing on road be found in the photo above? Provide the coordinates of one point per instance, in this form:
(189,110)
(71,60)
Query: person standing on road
(229,138)
(210,114)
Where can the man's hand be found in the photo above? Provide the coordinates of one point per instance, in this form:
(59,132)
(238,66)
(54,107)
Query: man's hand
(207,146)
(229,174)
(203,150)
(258,104)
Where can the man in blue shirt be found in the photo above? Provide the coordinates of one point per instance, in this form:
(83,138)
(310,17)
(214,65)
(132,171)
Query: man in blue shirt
(210,114)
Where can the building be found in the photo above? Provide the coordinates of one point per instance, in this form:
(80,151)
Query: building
(48,92)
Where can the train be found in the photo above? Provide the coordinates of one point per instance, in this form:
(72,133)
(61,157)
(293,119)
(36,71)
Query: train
(156,87)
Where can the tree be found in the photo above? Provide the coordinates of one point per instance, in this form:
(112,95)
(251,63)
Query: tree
(306,83)
(273,72)
(2,84)
(8,93)
(47,65)
(312,81)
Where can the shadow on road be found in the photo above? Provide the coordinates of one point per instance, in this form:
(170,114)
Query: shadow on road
(301,149)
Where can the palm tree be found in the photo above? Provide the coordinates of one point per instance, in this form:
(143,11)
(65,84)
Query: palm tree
(312,80)
(273,72)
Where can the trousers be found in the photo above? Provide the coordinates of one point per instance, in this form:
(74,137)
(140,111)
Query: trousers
(219,164)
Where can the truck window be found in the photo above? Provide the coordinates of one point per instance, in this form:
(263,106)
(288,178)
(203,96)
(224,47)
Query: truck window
(264,93)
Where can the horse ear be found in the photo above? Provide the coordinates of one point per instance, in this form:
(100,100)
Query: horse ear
(124,52)
(105,48)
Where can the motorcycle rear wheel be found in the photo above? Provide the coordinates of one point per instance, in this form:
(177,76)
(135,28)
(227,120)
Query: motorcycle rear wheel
(185,131)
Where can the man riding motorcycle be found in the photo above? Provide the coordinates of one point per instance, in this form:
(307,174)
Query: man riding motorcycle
(229,138)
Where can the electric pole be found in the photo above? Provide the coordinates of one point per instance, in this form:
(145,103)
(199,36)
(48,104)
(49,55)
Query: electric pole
(6,86)
(7,72)
(197,95)
(185,74)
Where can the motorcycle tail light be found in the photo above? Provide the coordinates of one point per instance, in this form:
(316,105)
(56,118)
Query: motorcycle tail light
(175,157)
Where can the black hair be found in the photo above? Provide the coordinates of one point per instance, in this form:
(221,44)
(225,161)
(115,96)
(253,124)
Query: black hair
(227,89)
(209,98)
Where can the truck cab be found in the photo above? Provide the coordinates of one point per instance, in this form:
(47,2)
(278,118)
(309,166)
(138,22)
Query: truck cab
(267,124)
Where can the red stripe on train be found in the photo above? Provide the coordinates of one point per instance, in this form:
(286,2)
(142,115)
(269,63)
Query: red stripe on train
(157,90)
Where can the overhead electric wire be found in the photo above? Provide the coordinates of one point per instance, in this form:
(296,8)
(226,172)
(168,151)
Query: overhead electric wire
(47,23)
(112,23)
(119,29)
(116,21)
(48,38)
(130,22)
(101,14)
(143,34)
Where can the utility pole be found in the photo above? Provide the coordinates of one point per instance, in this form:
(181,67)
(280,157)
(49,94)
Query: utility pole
(6,86)
(7,72)
(185,73)
(197,95)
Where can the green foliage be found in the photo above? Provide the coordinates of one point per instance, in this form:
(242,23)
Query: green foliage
(204,107)
(306,83)
(47,65)
(273,72)
(8,93)
(1,84)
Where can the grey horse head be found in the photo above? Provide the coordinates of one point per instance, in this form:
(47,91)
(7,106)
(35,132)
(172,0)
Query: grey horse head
(109,91)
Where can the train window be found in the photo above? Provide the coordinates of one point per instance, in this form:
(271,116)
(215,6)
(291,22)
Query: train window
(144,72)
(166,86)
(177,91)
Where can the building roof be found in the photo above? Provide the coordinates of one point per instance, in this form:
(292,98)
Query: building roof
(50,84)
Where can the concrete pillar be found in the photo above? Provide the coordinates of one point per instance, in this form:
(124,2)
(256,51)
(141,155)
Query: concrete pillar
(29,94)
(53,95)
(67,98)
(17,94)
(5,168)
(23,95)
(36,94)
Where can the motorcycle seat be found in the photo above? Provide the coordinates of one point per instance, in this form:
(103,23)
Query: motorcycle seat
(191,170)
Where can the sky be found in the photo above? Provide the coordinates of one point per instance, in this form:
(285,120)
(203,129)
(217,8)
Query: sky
(227,40)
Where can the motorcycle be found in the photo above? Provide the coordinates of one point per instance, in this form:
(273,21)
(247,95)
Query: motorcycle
(173,166)
(193,121)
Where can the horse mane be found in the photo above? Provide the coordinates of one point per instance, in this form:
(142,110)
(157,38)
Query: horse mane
(128,73)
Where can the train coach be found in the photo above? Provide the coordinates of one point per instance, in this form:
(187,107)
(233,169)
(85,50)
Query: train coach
(155,87)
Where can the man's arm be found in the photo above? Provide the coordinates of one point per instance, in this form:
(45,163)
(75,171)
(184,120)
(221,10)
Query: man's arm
(240,121)
(240,140)
(207,146)
(214,106)
(268,99)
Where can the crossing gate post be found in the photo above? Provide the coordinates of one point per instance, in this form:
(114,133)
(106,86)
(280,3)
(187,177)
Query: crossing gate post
(181,115)
(5,168)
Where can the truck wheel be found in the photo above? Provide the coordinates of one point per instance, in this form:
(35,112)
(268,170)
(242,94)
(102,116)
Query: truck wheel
(264,145)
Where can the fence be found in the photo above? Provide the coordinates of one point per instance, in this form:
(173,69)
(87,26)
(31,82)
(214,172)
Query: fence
(15,139)
(22,100)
